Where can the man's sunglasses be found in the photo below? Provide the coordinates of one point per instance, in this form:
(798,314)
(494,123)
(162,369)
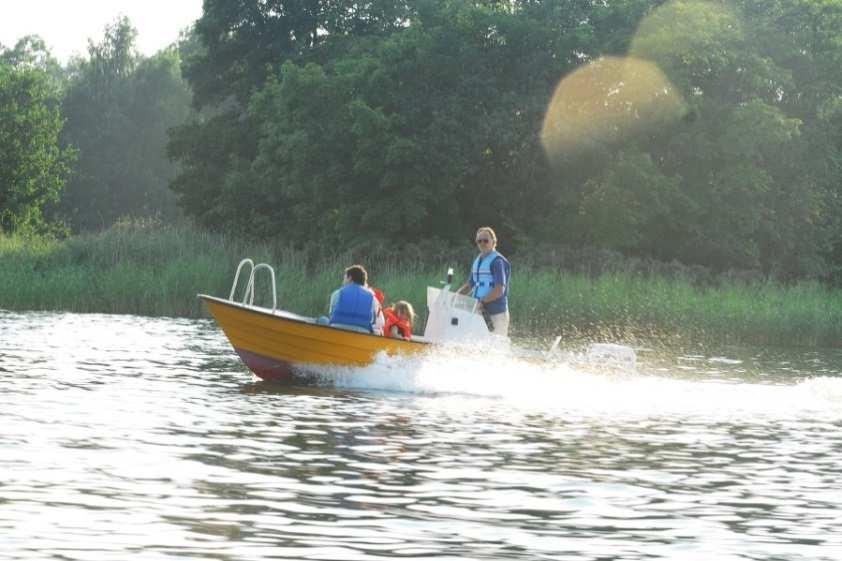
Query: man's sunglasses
(483,240)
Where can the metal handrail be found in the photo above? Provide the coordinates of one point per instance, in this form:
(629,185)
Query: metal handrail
(244,262)
(248,295)
(250,287)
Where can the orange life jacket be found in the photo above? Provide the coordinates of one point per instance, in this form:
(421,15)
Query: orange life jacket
(392,320)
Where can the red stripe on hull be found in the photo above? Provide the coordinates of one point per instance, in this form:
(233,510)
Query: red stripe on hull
(265,368)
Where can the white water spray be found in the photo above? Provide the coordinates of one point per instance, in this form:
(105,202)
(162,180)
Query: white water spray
(570,386)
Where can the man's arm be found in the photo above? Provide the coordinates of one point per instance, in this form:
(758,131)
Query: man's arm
(493,295)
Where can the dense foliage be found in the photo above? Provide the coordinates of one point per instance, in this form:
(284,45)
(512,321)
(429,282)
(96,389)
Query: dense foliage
(84,145)
(33,168)
(701,131)
(119,107)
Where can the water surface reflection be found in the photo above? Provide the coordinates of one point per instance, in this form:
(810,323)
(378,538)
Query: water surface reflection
(146,437)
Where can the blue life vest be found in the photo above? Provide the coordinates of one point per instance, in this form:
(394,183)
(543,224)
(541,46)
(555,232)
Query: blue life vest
(483,277)
(354,307)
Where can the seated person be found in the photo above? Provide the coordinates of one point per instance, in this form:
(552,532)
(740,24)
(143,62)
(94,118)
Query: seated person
(353,305)
(399,320)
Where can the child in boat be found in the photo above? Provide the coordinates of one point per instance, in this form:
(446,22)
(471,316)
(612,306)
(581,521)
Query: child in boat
(399,319)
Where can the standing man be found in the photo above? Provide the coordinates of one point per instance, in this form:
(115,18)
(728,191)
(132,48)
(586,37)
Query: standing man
(489,281)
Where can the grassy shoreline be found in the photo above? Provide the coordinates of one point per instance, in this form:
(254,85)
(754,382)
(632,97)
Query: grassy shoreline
(149,269)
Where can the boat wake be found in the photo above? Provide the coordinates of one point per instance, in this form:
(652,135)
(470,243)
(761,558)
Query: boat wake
(565,384)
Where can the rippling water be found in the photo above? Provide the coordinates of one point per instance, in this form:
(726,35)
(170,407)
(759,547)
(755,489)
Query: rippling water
(126,437)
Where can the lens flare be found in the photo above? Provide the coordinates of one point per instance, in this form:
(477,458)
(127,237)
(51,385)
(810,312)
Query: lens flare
(605,101)
(613,98)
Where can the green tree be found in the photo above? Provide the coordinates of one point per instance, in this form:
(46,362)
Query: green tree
(33,167)
(228,56)
(805,37)
(402,134)
(241,38)
(119,107)
(31,52)
(708,131)
(741,168)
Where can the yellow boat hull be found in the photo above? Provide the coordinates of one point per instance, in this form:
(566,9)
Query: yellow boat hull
(279,345)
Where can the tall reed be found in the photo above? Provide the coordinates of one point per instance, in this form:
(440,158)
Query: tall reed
(143,267)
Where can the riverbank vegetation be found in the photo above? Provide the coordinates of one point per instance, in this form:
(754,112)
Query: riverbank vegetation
(143,267)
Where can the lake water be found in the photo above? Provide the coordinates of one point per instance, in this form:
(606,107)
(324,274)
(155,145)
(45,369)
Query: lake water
(134,438)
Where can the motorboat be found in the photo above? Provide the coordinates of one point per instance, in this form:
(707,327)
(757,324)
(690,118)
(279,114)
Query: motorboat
(279,345)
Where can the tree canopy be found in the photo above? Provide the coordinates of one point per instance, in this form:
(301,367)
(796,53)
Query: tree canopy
(119,107)
(85,144)
(702,131)
(33,168)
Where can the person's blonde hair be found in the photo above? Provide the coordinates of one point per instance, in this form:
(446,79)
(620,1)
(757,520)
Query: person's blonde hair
(490,233)
(406,308)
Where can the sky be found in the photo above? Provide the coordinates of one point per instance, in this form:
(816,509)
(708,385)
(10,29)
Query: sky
(66,25)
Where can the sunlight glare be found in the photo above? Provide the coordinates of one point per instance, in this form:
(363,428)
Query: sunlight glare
(606,101)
